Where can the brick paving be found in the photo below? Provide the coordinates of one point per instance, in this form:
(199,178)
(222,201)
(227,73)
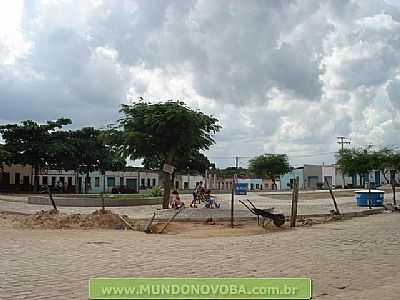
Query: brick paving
(354,259)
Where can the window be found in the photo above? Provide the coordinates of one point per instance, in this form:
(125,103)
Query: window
(53,180)
(186,185)
(121,181)
(154,182)
(142,183)
(45,180)
(97,181)
(148,182)
(111,181)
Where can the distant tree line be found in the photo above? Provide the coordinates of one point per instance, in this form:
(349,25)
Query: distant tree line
(362,161)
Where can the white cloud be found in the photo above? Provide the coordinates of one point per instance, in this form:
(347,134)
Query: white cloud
(282,76)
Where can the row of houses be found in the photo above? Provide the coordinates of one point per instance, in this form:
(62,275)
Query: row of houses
(20,178)
(315,177)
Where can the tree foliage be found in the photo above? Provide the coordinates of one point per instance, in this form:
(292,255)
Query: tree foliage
(30,142)
(85,150)
(165,131)
(361,161)
(192,162)
(269,165)
(4,155)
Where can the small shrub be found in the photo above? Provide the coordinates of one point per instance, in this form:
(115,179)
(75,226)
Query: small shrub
(154,192)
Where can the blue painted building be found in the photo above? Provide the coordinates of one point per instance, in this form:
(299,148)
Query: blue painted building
(253,184)
(287,179)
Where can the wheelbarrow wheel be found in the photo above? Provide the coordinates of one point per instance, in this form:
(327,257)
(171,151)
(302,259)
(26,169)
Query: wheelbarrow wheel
(279,220)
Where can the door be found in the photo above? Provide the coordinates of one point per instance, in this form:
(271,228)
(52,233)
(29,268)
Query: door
(312,182)
(26,183)
(377,178)
(17,179)
(80,184)
(131,184)
(5,179)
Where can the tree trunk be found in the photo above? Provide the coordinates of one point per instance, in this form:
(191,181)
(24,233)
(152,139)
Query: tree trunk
(173,181)
(167,180)
(167,189)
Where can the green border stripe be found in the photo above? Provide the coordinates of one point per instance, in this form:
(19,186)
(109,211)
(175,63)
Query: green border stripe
(200,288)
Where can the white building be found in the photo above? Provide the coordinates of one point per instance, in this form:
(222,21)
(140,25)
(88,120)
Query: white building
(329,174)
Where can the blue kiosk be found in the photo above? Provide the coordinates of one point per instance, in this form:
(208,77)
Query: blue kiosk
(241,188)
(377,198)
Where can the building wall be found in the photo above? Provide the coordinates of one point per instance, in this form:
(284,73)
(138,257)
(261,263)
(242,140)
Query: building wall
(188,182)
(253,184)
(288,178)
(268,184)
(312,176)
(148,179)
(329,172)
(18,176)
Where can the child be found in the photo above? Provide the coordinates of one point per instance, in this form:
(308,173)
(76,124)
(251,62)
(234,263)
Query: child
(175,200)
(195,191)
(210,200)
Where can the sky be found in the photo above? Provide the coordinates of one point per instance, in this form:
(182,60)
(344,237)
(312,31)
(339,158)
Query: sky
(281,76)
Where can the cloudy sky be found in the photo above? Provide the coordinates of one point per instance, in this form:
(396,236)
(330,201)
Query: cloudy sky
(282,76)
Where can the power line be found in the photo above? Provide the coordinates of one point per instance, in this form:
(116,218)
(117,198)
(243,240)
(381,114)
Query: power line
(342,140)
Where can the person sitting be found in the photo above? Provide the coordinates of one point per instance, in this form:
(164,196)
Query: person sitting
(210,200)
(175,200)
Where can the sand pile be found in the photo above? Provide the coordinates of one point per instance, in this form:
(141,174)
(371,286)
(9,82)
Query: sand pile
(52,219)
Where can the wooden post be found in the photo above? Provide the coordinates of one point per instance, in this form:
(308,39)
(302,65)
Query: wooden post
(147,227)
(51,198)
(232,203)
(102,203)
(333,196)
(393,179)
(369,194)
(295,196)
(171,219)
(233,189)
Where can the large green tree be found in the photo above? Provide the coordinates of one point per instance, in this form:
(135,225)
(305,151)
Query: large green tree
(269,165)
(31,143)
(84,150)
(166,130)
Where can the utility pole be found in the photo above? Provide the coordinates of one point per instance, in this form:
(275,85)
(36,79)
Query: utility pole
(342,140)
(234,188)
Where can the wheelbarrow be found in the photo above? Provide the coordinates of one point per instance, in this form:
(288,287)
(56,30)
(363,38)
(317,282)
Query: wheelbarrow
(277,219)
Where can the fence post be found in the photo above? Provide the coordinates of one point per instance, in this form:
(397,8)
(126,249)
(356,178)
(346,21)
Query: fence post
(295,197)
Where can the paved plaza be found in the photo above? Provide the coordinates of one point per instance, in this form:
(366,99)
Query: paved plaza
(352,259)
(280,201)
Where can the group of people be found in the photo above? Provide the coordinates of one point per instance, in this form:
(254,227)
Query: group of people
(200,194)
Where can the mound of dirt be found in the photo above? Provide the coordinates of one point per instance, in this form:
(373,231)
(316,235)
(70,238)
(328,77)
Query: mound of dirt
(54,220)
